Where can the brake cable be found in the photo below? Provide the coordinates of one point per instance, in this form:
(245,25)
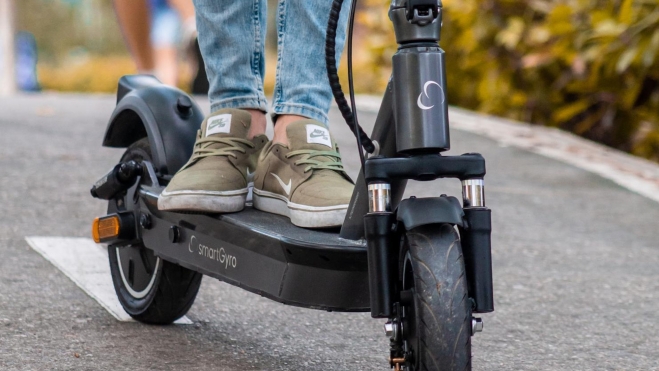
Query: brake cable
(349,113)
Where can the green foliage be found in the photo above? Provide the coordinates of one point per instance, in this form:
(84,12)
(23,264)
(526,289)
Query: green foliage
(588,66)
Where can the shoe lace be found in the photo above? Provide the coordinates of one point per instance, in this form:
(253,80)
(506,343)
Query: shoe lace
(309,154)
(201,149)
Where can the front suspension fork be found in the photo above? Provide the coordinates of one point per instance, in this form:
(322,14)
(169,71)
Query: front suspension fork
(383,245)
(382,250)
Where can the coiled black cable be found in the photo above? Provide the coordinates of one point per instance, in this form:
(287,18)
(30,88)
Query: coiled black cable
(363,141)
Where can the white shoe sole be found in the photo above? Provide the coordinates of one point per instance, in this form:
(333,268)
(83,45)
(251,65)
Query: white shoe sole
(301,215)
(203,201)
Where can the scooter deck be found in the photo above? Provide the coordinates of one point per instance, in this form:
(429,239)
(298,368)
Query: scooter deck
(262,253)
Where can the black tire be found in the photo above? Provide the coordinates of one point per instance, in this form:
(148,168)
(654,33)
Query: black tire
(150,289)
(437,322)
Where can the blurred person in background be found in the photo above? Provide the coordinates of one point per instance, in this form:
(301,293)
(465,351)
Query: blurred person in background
(26,62)
(155,31)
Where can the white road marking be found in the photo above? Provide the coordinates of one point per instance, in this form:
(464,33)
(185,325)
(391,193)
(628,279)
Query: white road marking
(631,172)
(86,264)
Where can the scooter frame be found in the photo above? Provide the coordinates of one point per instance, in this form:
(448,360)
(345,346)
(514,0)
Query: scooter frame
(309,268)
(353,270)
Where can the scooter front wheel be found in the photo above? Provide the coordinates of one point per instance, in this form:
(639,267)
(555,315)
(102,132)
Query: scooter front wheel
(436,320)
(150,289)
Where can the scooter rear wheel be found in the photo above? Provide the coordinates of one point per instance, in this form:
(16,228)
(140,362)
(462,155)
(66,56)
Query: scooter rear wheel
(150,289)
(436,330)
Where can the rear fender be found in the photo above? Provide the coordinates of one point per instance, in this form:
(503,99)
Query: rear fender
(167,116)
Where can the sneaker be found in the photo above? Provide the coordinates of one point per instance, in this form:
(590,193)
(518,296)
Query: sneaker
(304,181)
(218,176)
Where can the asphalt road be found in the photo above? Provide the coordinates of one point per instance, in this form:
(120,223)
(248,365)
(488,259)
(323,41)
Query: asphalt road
(576,268)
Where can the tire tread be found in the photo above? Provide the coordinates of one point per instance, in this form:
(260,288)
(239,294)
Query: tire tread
(444,314)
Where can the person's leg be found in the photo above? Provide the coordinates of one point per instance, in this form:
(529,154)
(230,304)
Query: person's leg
(300,174)
(184,8)
(218,176)
(232,42)
(189,45)
(302,88)
(188,24)
(135,22)
(166,69)
(164,39)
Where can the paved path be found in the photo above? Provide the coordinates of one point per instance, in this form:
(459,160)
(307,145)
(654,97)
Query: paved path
(576,260)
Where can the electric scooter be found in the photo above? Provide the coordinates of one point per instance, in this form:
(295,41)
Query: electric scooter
(423,264)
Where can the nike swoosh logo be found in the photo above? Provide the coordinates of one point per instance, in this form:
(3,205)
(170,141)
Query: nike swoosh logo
(286,187)
(317,134)
(216,124)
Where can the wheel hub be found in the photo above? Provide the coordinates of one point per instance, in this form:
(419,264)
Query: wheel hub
(137,267)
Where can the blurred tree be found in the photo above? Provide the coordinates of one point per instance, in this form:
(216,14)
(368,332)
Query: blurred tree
(62,27)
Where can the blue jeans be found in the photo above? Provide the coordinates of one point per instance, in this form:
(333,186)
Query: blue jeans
(232,42)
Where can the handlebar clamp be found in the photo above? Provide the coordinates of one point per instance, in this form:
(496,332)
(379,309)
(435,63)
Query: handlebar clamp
(422,10)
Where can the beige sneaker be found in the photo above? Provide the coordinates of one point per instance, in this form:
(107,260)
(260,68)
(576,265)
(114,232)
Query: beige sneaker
(304,181)
(218,176)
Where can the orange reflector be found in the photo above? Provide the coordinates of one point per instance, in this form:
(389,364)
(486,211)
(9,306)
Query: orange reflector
(105,227)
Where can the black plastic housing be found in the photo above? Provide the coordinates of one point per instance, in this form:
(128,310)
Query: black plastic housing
(414,212)
(269,255)
(425,167)
(119,179)
(166,115)
(382,251)
(477,251)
